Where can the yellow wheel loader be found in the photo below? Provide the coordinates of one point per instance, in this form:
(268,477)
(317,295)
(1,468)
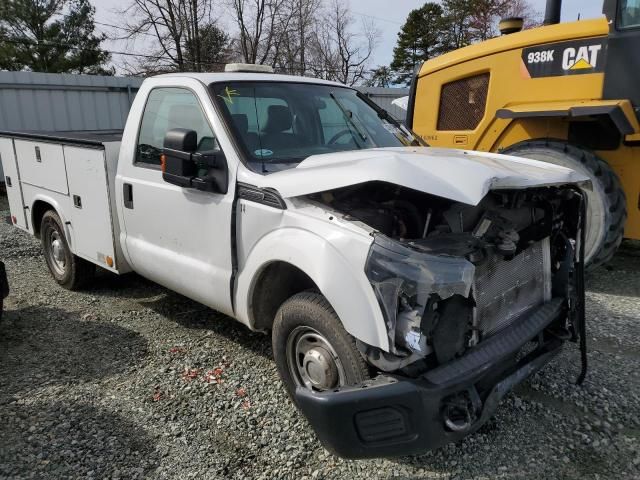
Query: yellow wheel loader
(565,93)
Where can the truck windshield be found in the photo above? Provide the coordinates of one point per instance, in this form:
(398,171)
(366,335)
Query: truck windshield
(629,14)
(278,122)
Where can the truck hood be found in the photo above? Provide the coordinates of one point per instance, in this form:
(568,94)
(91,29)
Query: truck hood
(458,175)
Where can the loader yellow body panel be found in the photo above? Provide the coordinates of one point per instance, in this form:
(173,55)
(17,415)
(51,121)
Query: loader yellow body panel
(521,106)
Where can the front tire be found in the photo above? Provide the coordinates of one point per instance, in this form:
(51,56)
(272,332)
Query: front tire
(311,347)
(67,269)
(606,204)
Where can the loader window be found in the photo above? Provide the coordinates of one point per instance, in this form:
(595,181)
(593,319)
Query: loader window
(169,108)
(629,14)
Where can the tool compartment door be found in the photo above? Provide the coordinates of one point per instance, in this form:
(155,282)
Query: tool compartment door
(91,220)
(12,183)
(42,165)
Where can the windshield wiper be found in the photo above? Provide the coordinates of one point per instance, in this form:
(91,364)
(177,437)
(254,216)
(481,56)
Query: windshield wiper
(347,115)
(414,140)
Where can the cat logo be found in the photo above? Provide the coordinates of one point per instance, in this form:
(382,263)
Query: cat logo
(575,57)
(582,58)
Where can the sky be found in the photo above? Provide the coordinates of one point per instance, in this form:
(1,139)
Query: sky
(388,15)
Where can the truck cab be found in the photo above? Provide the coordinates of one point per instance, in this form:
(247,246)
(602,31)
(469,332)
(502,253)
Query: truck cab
(406,289)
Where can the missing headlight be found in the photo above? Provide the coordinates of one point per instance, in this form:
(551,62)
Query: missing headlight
(404,281)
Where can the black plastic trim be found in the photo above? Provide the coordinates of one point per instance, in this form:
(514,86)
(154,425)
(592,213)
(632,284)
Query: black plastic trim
(264,196)
(95,139)
(616,114)
(411,105)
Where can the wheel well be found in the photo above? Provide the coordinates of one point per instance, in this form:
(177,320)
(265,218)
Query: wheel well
(277,282)
(40,207)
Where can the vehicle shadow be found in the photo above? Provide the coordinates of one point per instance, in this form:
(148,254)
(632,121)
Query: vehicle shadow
(42,346)
(70,439)
(193,315)
(129,285)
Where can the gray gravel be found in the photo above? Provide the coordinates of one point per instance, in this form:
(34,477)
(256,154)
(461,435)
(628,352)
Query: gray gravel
(129,380)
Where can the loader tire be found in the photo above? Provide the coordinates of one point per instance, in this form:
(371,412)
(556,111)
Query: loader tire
(606,204)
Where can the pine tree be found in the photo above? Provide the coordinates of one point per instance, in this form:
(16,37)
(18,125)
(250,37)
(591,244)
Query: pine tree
(420,39)
(55,36)
(380,77)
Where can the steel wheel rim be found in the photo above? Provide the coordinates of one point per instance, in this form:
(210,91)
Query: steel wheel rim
(312,361)
(57,253)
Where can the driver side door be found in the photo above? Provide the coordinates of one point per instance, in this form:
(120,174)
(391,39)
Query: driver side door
(178,237)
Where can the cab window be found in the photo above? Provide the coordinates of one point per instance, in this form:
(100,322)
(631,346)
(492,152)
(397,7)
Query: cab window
(629,13)
(169,108)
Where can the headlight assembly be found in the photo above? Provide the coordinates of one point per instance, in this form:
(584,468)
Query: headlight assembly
(404,280)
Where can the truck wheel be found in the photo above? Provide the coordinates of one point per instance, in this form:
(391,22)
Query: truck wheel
(311,347)
(607,206)
(68,270)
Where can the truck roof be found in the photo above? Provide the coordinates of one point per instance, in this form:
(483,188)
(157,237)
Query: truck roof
(208,78)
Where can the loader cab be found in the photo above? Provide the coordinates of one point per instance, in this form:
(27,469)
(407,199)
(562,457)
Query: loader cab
(622,73)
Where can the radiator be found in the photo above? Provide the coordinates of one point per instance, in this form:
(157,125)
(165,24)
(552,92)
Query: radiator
(504,290)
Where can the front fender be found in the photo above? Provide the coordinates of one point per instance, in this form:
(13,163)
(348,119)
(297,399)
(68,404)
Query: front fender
(620,112)
(335,264)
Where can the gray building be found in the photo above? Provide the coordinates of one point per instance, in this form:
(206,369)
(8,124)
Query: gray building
(63,102)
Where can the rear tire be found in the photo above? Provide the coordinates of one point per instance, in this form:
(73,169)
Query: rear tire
(606,204)
(67,269)
(311,347)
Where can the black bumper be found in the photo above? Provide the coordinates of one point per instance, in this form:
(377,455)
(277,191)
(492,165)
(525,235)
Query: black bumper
(394,416)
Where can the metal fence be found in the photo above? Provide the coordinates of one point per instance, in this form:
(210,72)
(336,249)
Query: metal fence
(60,102)
(63,102)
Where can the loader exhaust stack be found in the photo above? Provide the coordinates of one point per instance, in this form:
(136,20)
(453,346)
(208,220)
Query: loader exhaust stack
(553,12)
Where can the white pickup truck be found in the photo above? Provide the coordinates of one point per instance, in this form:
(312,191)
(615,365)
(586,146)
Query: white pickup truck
(406,289)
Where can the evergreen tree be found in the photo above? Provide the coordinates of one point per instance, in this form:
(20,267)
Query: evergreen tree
(380,77)
(422,37)
(458,18)
(55,36)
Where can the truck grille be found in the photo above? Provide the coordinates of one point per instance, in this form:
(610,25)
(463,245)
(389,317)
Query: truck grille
(504,290)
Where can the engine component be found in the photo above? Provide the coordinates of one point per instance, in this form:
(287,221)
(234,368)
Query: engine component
(504,290)
(453,327)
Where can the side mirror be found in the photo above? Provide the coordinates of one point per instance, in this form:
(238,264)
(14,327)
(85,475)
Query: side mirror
(183,165)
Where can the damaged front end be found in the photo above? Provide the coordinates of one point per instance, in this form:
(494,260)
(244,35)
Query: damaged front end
(475,299)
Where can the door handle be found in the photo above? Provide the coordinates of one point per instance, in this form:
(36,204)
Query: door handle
(128,195)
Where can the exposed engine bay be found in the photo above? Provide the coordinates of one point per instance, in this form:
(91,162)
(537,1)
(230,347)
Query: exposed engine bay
(449,275)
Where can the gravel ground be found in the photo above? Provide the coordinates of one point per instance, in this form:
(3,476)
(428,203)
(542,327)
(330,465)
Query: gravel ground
(129,380)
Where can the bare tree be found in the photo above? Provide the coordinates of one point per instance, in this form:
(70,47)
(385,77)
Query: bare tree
(294,35)
(523,8)
(178,27)
(341,53)
(259,22)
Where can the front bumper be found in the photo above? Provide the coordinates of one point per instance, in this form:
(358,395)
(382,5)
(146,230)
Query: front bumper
(394,416)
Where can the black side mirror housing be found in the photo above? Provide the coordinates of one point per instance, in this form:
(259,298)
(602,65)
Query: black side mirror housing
(184,166)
